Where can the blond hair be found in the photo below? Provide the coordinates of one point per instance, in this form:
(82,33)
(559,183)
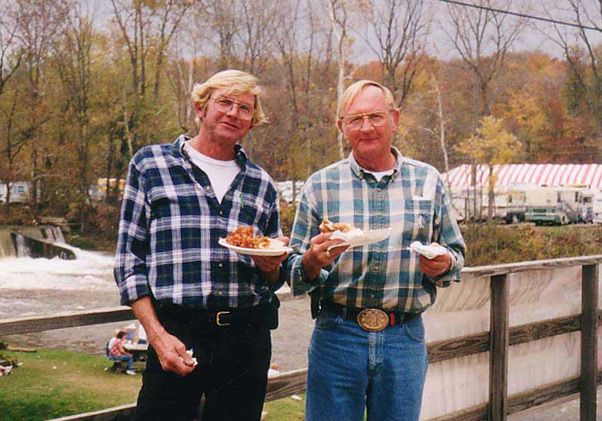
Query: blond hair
(233,82)
(352,91)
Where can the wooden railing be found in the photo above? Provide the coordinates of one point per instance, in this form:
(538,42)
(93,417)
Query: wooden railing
(497,342)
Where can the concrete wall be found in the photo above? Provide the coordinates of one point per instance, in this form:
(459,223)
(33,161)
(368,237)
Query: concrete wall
(36,242)
(7,245)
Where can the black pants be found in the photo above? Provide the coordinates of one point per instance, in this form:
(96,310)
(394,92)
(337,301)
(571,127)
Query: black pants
(232,371)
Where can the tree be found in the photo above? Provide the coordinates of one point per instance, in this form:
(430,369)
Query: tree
(584,60)
(491,145)
(72,57)
(398,33)
(10,53)
(482,37)
(38,23)
(146,27)
(339,14)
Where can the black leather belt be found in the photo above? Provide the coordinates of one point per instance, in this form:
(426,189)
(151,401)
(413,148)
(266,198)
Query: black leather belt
(370,319)
(221,318)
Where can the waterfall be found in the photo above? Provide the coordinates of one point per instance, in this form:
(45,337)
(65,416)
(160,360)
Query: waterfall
(22,249)
(38,242)
(54,233)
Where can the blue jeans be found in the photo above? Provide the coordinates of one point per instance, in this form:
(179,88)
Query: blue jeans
(124,358)
(351,369)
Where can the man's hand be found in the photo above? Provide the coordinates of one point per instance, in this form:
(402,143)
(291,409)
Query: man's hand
(271,263)
(435,266)
(318,255)
(172,354)
(170,350)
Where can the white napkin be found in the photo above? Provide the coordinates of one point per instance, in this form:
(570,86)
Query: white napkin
(347,236)
(430,252)
(357,237)
(190,353)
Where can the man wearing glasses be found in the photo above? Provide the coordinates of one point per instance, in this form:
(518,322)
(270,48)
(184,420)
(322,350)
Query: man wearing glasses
(368,349)
(207,311)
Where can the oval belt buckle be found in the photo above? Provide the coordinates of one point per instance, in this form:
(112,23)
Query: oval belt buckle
(373,319)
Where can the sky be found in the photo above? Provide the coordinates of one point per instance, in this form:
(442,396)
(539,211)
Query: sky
(534,35)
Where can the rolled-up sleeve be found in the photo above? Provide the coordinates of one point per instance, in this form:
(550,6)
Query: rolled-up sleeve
(133,242)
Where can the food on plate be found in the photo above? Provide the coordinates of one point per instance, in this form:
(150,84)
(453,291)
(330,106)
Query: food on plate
(244,237)
(328,226)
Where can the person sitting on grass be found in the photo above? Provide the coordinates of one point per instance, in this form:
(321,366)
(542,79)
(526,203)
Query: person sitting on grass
(117,353)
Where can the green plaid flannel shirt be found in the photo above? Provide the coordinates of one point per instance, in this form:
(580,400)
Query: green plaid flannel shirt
(413,201)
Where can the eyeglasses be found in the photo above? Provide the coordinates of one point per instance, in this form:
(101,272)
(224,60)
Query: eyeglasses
(225,104)
(356,121)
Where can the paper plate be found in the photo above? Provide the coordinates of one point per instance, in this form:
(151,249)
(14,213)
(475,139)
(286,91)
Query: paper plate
(369,237)
(256,252)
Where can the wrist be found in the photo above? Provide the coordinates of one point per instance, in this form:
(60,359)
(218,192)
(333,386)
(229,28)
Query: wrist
(310,269)
(154,334)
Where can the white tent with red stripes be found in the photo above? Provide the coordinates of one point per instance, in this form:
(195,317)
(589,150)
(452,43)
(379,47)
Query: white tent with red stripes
(551,175)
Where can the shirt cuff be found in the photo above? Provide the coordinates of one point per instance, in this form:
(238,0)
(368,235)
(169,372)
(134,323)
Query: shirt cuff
(298,278)
(453,274)
(281,277)
(133,288)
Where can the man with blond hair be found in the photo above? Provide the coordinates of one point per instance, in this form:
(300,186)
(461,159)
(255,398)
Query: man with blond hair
(368,349)
(207,311)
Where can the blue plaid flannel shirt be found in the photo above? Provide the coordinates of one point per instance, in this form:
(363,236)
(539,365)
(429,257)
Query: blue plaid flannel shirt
(170,225)
(412,201)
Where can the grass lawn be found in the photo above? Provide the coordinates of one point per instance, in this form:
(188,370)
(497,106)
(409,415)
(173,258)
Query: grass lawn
(52,384)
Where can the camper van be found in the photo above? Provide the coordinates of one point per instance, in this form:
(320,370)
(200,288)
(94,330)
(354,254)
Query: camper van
(554,206)
(515,205)
(597,208)
(587,213)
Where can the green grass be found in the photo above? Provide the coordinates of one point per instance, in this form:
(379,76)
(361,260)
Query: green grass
(286,409)
(490,244)
(53,384)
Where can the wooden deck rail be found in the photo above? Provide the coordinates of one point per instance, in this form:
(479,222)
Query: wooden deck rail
(496,341)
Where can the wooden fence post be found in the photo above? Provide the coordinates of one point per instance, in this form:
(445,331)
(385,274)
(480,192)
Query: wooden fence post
(589,342)
(498,350)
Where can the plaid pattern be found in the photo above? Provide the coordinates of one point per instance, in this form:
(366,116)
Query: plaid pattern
(170,225)
(413,201)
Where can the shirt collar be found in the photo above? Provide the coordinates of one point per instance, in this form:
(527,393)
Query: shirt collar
(240,156)
(361,172)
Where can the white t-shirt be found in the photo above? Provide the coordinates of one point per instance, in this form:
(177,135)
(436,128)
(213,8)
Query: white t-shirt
(379,175)
(221,173)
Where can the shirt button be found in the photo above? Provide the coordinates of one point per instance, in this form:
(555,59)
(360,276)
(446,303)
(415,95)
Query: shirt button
(208,188)
(221,212)
(221,265)
(220,293)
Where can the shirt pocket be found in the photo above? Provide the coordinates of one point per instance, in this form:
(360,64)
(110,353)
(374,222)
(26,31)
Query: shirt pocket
(161,203)
(418,220)
(254,212)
